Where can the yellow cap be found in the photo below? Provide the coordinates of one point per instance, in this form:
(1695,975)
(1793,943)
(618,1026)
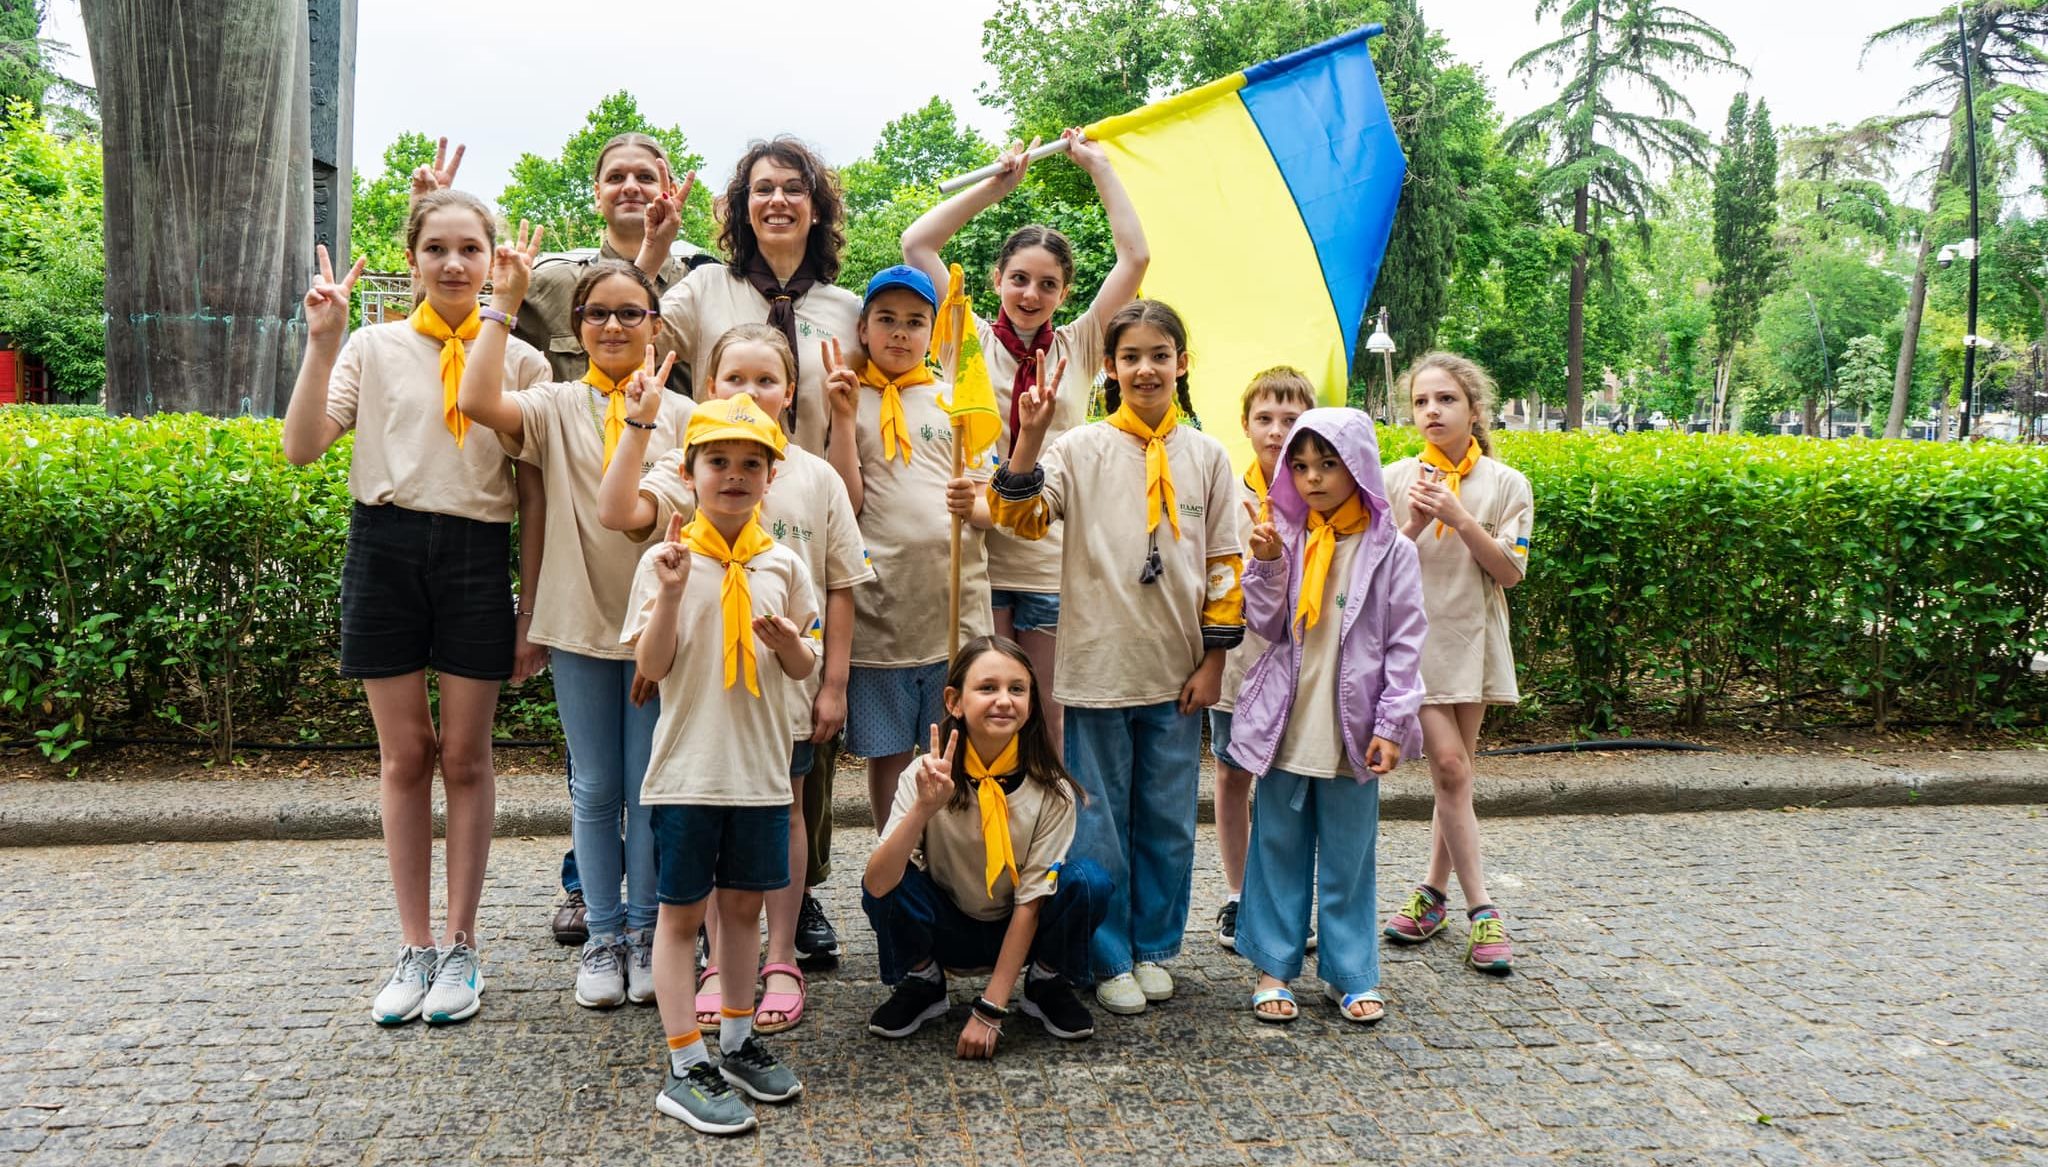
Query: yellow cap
(734,419)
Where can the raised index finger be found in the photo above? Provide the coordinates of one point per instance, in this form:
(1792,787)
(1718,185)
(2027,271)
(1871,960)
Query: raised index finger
(934,748)
(952,746)
(455,163)
(326,264)
(348,283)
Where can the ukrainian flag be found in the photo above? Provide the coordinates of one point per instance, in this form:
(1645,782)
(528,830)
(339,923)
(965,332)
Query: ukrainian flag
(1267,198)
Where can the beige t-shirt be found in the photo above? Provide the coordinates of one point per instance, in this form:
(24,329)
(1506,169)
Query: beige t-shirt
(1021,565)
(1313,742)
(1466,656)
(901,621)
(714,298)
(386,386)
(585,569)
(715,746)
(1122,642)
(806,511)
(547,323)
(1238,663)
(953,854)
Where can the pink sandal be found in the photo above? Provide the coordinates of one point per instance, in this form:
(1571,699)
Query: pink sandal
(708,1004)
(790,1005)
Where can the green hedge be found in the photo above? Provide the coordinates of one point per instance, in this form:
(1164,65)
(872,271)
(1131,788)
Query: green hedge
(177,572)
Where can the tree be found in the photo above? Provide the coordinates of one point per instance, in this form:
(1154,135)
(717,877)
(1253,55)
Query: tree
(1865,378)
(920,149)
(52,265)
(24,76)
(377,222)
(555,193)
(209,203)
(1834,180)
(2005,39)
(1745,217)
(1415,277)
(1606,45)
(1803,329)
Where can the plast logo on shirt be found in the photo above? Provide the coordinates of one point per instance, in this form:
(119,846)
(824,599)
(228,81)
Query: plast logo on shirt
(785,531)
(1192,510)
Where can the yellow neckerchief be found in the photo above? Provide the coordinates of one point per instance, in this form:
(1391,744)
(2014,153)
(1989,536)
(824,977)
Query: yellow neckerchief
(995,812)
(614,409)
(1349,519)
(453,358)
(735,602)
(895,431)
(1158,475)
(1454,472)
(1256,479)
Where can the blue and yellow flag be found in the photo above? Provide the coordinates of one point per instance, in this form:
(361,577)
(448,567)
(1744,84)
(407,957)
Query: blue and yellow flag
(1267,198)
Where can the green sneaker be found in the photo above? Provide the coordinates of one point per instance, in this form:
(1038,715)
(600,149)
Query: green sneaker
(702,1099)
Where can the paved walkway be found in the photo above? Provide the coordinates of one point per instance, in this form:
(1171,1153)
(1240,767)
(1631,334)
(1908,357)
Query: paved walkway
(1838,987)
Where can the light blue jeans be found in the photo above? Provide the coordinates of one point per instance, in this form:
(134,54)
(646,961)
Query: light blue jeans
(1312,838)
(1141,767)
(609,742)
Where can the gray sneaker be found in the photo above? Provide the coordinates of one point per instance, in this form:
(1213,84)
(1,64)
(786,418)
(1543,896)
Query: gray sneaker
(399,1000)
(601,973)
(753,1069)
(458,988)
(702,1099)
(640,966)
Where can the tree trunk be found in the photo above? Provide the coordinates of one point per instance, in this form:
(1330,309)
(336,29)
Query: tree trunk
(1575,322)
(1916,300)
(209,210)
(1811,417)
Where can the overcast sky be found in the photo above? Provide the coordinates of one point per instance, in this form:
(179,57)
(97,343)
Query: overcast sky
(529,70)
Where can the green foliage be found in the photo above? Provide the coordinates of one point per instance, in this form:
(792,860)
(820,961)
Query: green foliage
(52,259)
(1864,381)
(1415,278)
(914,152)
(1848,298)
(379,205)
(556,193)
(177,572)
(1745,215)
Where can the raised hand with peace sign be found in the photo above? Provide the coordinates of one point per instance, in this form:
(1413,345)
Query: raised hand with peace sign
(440,174)
(645,388)
(1035,408)
(512,269)
(326,301)
(935,775)
(1265,537)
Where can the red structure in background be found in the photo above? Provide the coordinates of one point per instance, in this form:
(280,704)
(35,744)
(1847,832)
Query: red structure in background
(22,379)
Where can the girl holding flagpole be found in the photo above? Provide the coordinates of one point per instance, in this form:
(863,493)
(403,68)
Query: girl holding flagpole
(1033,274)
(570,431)
(424,584)
(1154,557)
(1469,517)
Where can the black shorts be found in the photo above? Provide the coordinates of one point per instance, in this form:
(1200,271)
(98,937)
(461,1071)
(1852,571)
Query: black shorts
(696,848)
(424,590)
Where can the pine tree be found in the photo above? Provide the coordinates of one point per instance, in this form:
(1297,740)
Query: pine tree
(1745,214)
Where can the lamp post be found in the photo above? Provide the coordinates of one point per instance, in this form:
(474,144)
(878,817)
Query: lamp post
(1969,247)
(1382,343)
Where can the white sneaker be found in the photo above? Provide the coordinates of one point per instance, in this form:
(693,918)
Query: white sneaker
(601,973)
(640,966)
(399,1000)
(1121,994)
(1153,980)
(458,988)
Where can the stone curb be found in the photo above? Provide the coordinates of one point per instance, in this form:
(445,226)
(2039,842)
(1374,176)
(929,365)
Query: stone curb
(55,813)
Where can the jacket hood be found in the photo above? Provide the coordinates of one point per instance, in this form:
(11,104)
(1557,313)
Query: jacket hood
(1350,433)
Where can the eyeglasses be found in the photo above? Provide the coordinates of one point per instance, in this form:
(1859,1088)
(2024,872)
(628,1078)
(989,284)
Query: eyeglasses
(792,190)
(627,317)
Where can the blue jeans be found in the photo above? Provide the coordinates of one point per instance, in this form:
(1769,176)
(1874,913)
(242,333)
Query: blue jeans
(610,740)
(1141,767)
(1312,838)
(572,881)
(917,921)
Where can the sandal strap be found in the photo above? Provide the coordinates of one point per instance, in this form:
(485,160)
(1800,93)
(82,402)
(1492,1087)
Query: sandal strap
(789,970)
(1266,996)
(710,970)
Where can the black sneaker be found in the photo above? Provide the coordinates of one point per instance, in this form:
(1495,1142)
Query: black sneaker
(1052,1001)
(1226,925)
(915,1001)
(815,938)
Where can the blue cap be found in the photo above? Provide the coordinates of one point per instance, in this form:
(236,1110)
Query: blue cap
(902,276)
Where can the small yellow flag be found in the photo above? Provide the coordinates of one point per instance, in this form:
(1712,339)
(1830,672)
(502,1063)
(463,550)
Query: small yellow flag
(973,408)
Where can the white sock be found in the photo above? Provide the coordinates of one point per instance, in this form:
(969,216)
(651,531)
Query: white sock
(733,1032)
(929,972)
(1236,896)
(682,1057)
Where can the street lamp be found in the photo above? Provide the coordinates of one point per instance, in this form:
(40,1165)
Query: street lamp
(1382,343)
(1968,248)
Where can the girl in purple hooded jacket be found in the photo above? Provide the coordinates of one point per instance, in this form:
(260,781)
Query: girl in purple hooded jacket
(1325,711)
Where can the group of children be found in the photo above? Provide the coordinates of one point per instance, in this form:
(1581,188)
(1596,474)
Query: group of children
(716,598)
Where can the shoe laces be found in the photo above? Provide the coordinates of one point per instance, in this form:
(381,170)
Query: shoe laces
(641,952)
(456,965)
(1488,930)
(753,1054)
(1419,906)
(414,964)
(599,957)
(708,1080)
(811,914)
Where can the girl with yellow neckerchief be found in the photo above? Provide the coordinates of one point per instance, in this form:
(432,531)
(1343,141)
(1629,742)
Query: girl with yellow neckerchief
(972,870)
(1325,712)
(426,581)
(1149,571)
(1469,517)
(570,431)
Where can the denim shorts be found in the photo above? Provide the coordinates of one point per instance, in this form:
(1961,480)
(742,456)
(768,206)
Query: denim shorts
(802,756)
(425,590)
(1219,738)
(892,710)
(1029,611)
(697,847)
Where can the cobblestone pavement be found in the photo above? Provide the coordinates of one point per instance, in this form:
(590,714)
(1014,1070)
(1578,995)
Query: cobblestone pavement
(1828,987)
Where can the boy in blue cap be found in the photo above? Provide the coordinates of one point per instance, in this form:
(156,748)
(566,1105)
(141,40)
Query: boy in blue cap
(905,440)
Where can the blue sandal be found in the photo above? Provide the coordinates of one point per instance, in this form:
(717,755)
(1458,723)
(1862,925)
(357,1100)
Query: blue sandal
(1345,1001)
(1267,996)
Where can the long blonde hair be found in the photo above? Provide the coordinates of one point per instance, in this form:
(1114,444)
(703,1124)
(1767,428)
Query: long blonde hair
(1470,376)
